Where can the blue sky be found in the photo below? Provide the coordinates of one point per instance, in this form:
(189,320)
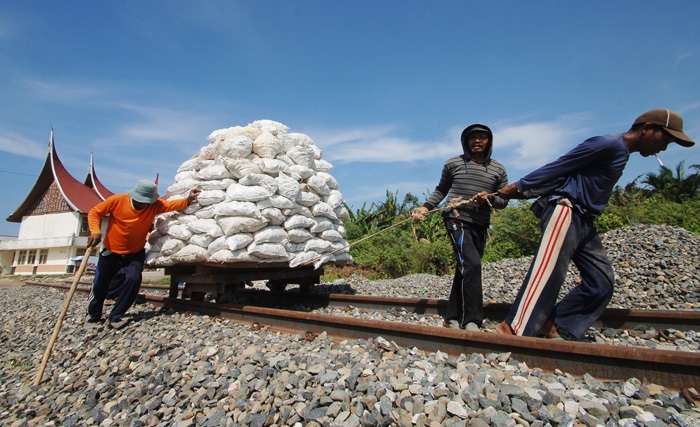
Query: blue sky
(383,88)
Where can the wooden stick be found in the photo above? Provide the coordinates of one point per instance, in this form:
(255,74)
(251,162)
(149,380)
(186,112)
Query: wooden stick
(59,322)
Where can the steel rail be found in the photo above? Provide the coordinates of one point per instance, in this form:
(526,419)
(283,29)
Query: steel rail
(672,369)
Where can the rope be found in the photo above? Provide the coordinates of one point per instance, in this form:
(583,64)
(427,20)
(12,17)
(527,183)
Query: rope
(454,204)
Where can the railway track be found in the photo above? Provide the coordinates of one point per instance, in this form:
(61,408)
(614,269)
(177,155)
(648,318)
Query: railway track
(264,309)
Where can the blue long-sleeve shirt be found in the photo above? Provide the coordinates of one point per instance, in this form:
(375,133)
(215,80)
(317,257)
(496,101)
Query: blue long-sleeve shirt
(586,175)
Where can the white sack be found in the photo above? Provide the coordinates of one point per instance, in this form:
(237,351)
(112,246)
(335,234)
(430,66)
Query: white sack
(271,126)
(272,167)
(181,187)
(322,209)
(342,213)
(307,199)
(288,186)
(271,234)
(331,236)
(236,147)
(180,231)
(238,224)
(244,193)
(171,246)
(215,171)
(190,253)
(241,167)
(322,224)
(321,166)
(299,235)
(201,240)
(217,245)
(303,172)
(237,209)
(298,210)
(205,213)
(206,226)
(273,251)
(216,184)
(302,258)
(330,180)
(266,181)
(267,145)
(273,215)
(302,155)
(317,245)
(206,198)
(319,185)
(276,201)
(239,241)
(335,199)
(298,221)
(225,256)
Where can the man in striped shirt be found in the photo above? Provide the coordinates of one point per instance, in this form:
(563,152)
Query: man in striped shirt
(474,176)
(578,186)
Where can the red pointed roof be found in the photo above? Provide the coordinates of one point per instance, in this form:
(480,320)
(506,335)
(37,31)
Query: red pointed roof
(78,196)
(94,183)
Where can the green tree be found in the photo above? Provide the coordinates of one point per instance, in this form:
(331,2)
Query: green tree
(676,187)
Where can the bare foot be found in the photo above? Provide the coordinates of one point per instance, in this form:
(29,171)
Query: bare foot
(504,328)
(549,330)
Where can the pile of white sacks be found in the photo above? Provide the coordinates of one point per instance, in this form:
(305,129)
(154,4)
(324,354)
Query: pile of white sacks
(266,196)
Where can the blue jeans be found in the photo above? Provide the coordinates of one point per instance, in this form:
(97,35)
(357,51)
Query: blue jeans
(108,266)
(466,301)
(567,235)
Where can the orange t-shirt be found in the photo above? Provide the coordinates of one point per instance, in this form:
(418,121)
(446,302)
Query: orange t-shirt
(128,228)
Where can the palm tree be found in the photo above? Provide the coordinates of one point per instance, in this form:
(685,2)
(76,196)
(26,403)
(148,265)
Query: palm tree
(678,187)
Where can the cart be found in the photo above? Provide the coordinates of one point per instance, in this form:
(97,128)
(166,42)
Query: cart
(222,281)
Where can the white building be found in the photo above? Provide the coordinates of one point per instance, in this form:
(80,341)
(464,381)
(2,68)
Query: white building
(53,220)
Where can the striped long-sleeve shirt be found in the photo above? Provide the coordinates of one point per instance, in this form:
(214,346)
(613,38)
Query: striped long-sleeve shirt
(461,176)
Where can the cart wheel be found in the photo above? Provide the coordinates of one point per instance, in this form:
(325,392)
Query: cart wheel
(276,286)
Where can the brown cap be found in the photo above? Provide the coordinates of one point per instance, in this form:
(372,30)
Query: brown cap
(670,121)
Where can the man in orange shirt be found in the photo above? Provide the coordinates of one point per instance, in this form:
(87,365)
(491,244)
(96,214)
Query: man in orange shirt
(131,216)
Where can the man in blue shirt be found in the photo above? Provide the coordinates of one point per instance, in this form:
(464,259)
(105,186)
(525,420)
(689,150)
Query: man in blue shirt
(578,186)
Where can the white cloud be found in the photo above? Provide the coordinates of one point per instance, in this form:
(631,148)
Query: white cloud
(378,145)
(530,145)
(14,143)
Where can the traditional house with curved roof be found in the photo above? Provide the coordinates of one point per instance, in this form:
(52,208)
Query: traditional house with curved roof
(53,220)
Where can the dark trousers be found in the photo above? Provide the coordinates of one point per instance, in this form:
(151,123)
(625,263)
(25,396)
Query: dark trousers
(567,235)
(466,301)
(131,266)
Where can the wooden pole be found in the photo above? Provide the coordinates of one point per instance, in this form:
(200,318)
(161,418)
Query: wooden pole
(59,322)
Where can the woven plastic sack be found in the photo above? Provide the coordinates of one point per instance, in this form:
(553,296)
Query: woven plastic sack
(307,199)
(235,208)
(302,155)
(288,186)
(303,258)
(271,251)
(236,147)
(322,209)
(180,231)
(298,221)
(267,146)
(266,181)
(299,235)
(334,199)
(276,201)
(270,234)
(272,167)
(201,240)
(239,241)
(214,171)
(206,198)
(241,167)
(239,224)
(206,226)
(319,185)
(227,257)
(190,254)
(273,215)
(172,246)
(244,193)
